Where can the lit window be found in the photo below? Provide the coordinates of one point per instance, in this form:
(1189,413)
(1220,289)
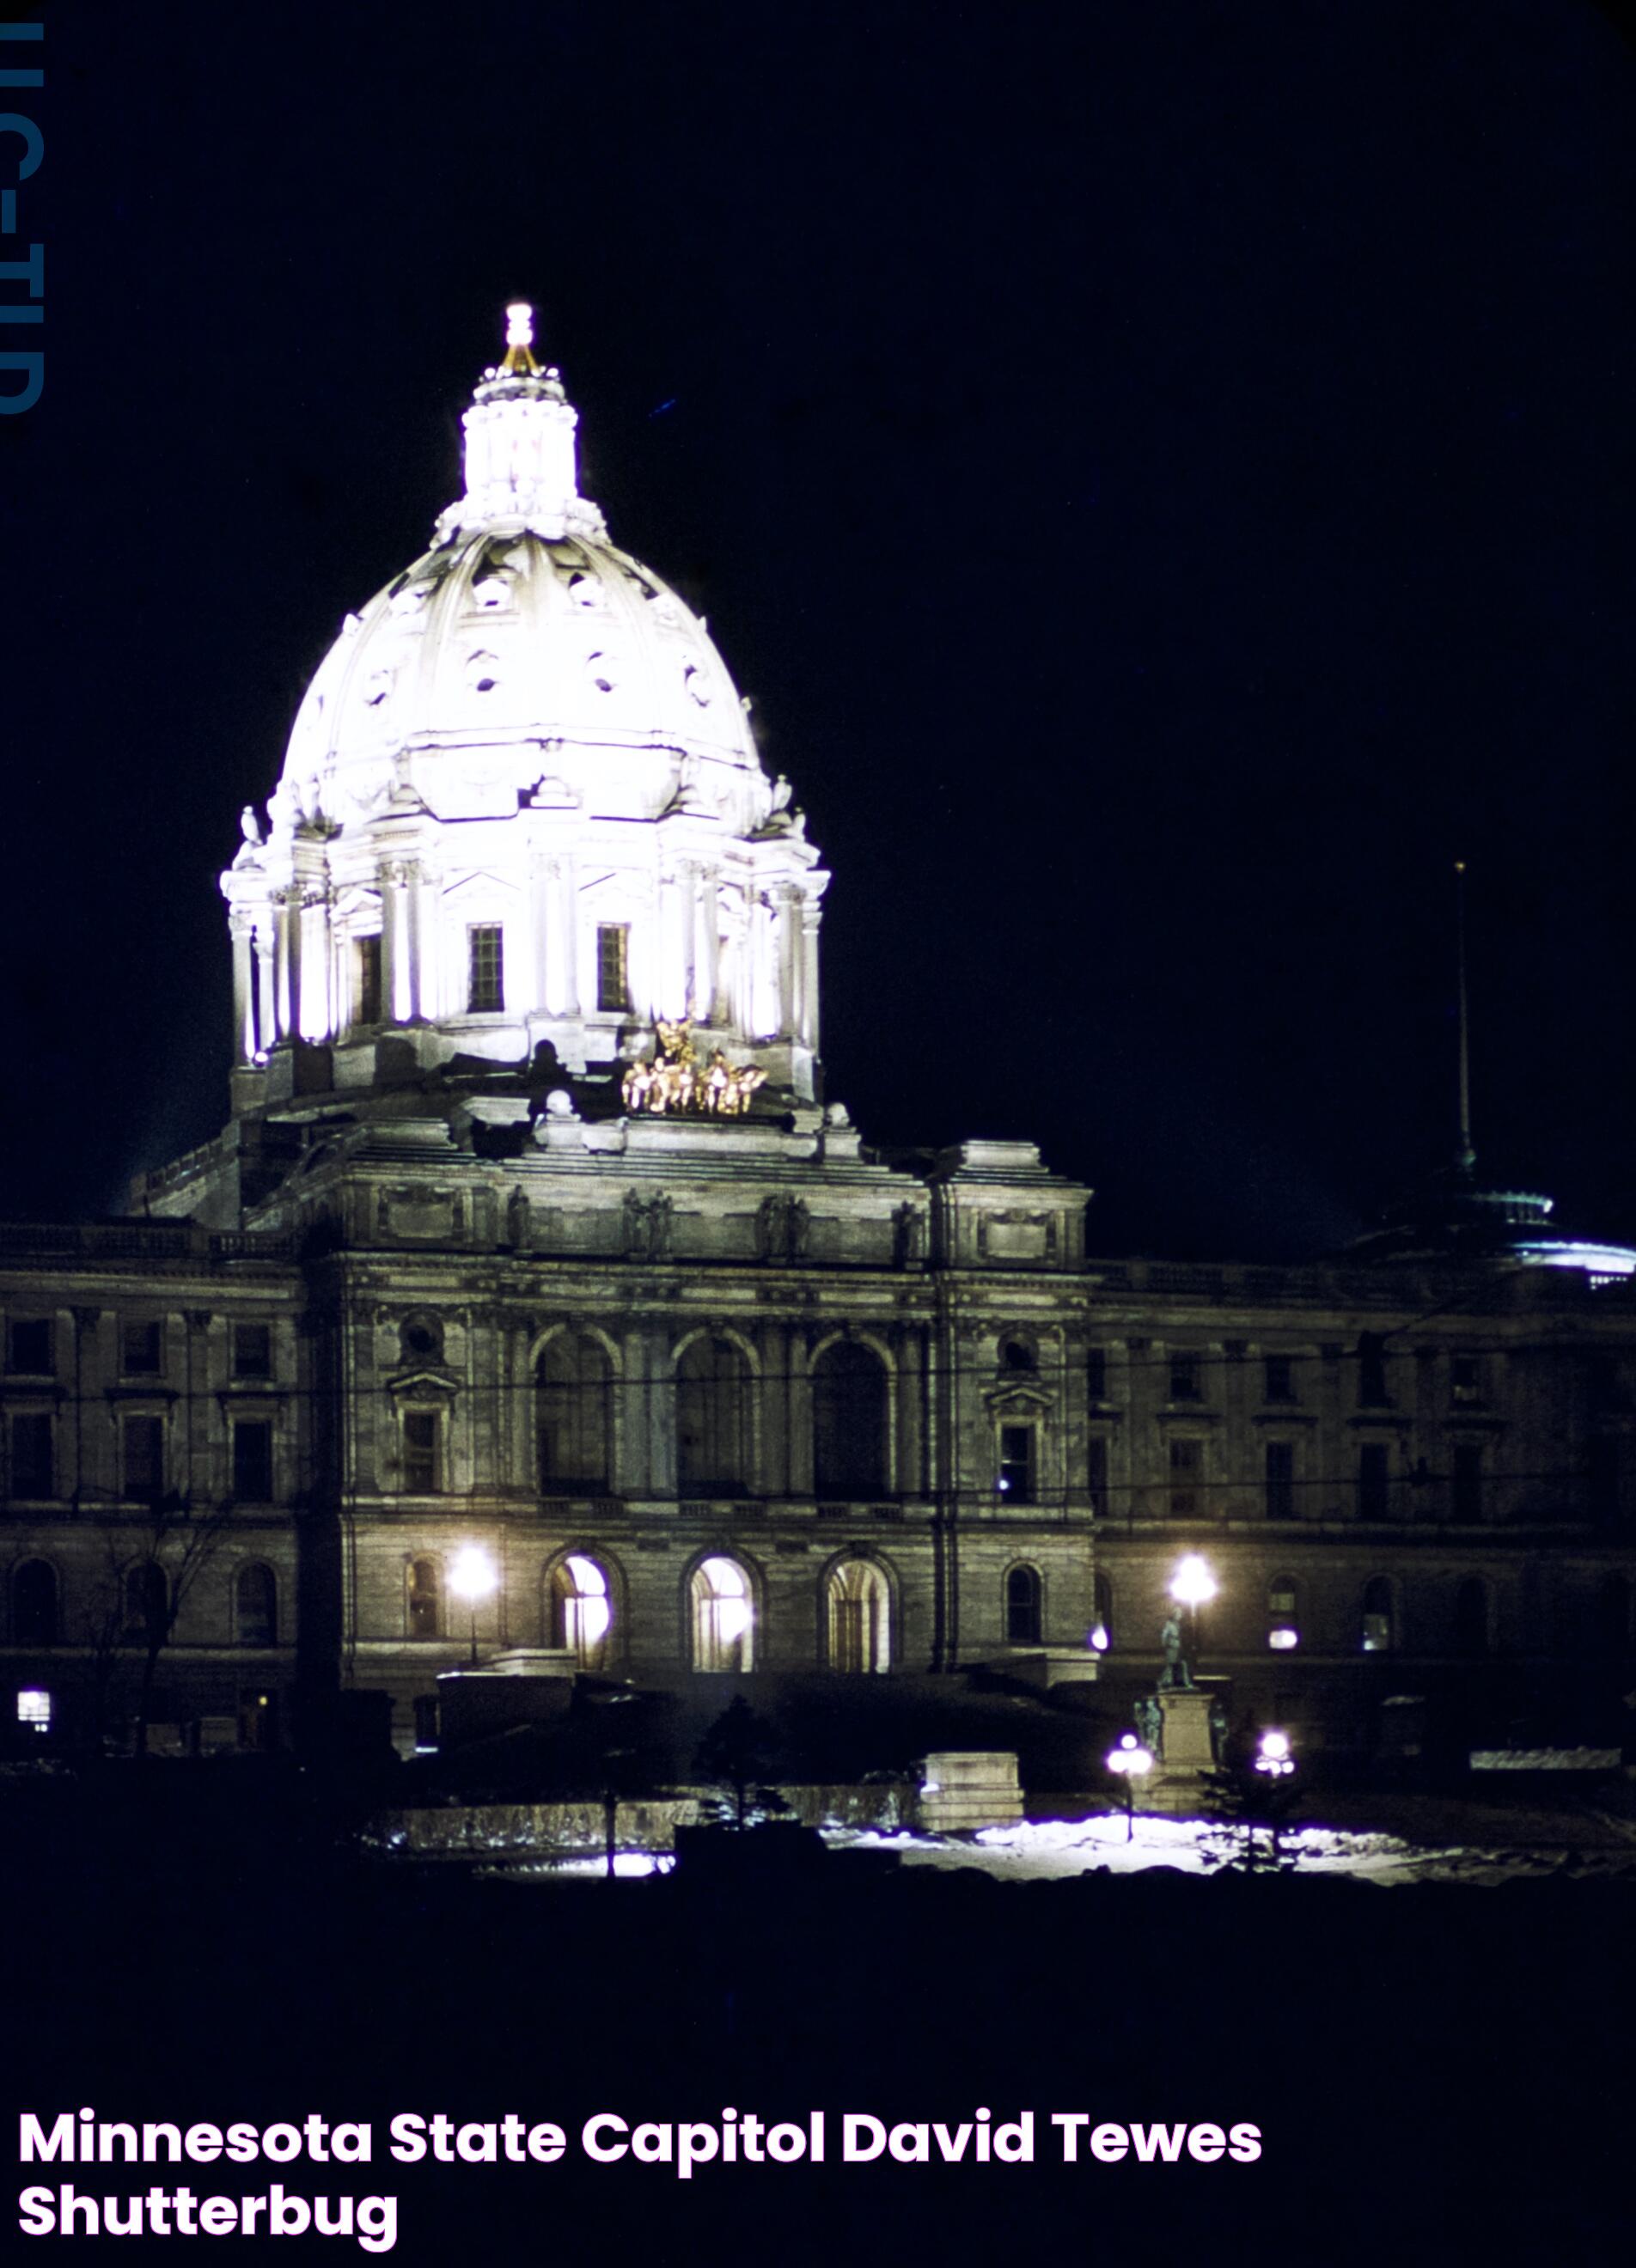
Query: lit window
(34,1710)
(1016,1463)
(724,1617)
(613,969)
(580,1610)
(142,1348)
(485,991)
(422,1432)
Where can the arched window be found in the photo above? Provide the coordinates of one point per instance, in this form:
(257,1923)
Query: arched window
(1610,1627)
(860,1617)
(147,1603)
(579,1609)
(849,1422)
(723,1614)
(1022,1606)
(1472,1617)
(35,1604)
(575,1411)
(1378,1632)
(425,1599)
(712,1419)
(255,1607)
(1284,1614)
(1101,1631)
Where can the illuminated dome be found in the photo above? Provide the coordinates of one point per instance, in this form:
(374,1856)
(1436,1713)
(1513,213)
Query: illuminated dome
(521,803)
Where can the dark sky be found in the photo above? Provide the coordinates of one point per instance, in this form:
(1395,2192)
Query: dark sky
(1162,468)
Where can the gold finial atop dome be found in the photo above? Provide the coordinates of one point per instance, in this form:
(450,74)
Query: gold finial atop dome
(520,338)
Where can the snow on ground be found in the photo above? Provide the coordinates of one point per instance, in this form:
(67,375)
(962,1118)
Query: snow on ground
(1048,1850)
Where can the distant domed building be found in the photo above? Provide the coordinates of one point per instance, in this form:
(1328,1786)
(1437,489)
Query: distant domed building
(537,1326)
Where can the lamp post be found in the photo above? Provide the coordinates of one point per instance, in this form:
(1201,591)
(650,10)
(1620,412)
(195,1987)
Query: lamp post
(471,1578)
(1192,1587)
(1130,1760)
(1273,1757)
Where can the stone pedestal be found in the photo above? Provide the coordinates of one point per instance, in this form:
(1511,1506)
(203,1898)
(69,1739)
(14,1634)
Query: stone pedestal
(969,1788)
(1177,1783)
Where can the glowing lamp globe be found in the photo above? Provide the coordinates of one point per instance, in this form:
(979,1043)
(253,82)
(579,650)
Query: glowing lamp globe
(1193,1585)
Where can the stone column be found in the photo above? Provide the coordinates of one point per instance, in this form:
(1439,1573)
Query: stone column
(561,883)
(707,945)
(786,915)
(266,988)
(539,947)
(391,938)
(809,973)
(238,928)
(417,970)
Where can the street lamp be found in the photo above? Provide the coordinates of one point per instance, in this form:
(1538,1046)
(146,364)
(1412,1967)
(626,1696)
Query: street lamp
(1130,1760)
(1273,1758)
(1192,1587)
(471,1578)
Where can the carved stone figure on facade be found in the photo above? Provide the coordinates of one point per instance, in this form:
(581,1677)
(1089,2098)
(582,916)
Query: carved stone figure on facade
(516,1220)
(1150,1725)
(909,1234)
(660,1214)
(1175,1676)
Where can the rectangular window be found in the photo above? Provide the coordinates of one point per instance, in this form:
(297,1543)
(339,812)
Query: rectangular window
(1371,1372)
(142,1348)
(1187,1469)
(1097,1475)
(1016,1463)
(1279,1383)
(1096,1373)
(34,1710)
(1465,1500)
(31,1455)
(422,1432)
(1465,1378)
(1186,1379)
(1280,1480)
(367,968)
(613,966)
(1283,1630)
(253,1460)
(142,1451)
(1374,1481)
(252,1350)
(485,991)
(30,1347)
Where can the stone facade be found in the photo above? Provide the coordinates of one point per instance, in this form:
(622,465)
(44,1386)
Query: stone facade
(531,1244)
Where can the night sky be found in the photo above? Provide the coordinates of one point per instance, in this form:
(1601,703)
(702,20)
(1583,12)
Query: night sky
(1162,470)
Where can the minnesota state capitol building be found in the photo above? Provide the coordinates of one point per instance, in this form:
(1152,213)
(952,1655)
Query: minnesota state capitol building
(535,1306)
